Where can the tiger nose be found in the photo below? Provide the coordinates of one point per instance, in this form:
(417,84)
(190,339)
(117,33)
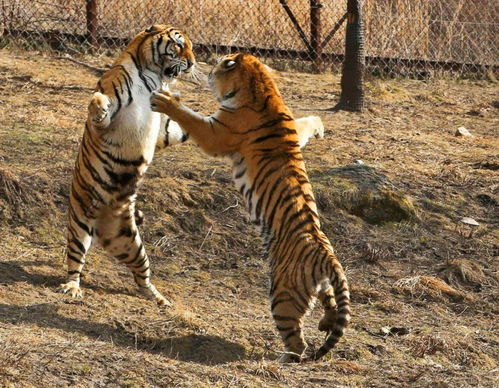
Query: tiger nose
(189,63)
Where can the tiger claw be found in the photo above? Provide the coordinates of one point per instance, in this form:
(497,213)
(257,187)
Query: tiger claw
(152,293)
(162,302)
(98,110)
(71,288)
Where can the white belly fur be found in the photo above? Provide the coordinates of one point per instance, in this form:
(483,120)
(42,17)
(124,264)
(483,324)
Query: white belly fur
(136,129)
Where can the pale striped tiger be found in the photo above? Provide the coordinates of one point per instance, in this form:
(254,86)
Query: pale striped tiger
(118,145)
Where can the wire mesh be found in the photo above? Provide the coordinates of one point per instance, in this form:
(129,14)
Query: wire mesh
(403,37)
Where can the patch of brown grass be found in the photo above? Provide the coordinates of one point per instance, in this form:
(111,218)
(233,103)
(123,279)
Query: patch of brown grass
(13,358)
(387,92)
(428,287)
(348,367)
(268,370)
(206,256)
(428,345)
(457,349)
(463,272)
(13,190)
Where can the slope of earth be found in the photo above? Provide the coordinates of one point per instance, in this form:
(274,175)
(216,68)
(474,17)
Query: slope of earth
(424,292)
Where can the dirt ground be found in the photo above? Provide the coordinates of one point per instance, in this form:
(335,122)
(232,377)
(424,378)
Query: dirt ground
(424,293)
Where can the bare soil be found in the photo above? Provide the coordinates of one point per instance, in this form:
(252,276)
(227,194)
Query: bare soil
(424,292)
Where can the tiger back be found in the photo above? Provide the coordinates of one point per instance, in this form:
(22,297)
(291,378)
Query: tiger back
(256,130)
(118,144)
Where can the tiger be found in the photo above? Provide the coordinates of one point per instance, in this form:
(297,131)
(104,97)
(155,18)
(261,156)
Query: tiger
(120,137)
(256,131)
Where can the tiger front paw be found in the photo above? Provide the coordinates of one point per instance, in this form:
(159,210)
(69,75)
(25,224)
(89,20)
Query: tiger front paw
(99,110)
(72,288)
(165,102)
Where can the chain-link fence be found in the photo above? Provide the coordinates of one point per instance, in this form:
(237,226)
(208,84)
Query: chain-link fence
(406,37)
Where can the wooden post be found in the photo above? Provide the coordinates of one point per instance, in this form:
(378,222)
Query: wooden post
(92,22)
(315,34)
(352,77)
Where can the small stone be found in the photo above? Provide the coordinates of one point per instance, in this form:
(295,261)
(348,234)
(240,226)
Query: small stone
(469,221)
(462,131)
(358,161)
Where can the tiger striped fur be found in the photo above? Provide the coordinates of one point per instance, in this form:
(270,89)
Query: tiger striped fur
(118,145)
(255,129)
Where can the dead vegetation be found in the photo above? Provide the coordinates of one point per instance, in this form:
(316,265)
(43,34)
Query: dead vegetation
(424,295)
(428,287)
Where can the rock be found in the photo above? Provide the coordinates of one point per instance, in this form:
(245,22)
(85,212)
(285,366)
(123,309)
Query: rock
(462,131)
(363,191)
(469,221)
(472,224)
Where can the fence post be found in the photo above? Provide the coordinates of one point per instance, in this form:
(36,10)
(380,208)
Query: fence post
(91,8)
(352,77)
(316,34)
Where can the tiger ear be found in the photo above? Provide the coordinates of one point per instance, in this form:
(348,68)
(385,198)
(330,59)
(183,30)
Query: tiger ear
(150,29)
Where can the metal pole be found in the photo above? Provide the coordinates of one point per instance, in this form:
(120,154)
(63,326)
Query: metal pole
(295,22)
(315,34)
(333,31)
(91,8)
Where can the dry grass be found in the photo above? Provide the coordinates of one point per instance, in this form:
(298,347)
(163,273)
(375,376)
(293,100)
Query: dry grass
(206,256)
(12,190)
(462,273)
(428,287)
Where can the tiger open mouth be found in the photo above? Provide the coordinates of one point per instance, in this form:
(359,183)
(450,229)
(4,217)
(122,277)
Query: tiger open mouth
(172,72)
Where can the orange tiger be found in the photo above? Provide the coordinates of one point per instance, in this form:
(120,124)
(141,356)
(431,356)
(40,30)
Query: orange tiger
(256,130)
(118,145)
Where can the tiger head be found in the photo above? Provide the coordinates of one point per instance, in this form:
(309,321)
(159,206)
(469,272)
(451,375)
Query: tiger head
(163,48)
(241,79)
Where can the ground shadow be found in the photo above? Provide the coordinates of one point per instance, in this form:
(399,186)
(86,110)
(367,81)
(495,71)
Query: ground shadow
(13,272)
(201,349)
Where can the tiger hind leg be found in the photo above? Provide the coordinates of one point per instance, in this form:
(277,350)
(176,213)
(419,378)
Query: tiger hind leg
(79,241)
(120,237)
(288,311)
(328,320)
